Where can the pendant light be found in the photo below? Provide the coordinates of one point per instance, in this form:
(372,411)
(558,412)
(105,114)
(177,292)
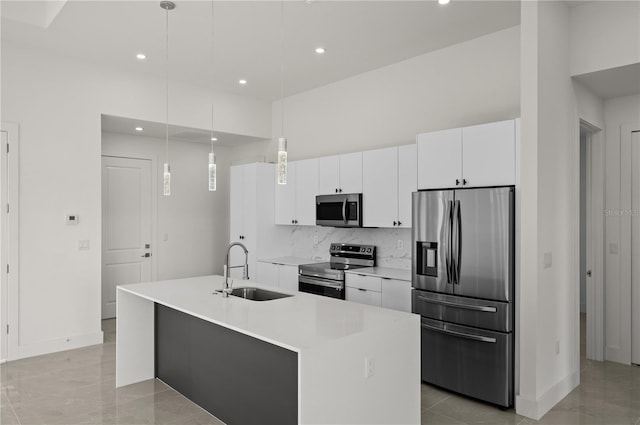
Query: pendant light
(167,6)
(212,155)
(282,141)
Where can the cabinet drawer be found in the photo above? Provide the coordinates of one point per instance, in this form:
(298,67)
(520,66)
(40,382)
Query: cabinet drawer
(363,296)
(363,282)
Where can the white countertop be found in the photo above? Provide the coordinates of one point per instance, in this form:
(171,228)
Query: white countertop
(391,273)
(299,322)
(290,261)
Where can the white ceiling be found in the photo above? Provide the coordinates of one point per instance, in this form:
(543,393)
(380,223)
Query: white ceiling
(358,35)
(113,124)
(614,82)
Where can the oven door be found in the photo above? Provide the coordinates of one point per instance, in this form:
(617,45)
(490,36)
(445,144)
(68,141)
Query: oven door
(317,286)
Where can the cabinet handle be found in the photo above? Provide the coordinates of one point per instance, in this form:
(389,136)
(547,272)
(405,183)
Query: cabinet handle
(340,190)
(295,221)
(464,182)
(399,223)
(457,182)
(394,223)
(336,190)
(292,222)
(363,290)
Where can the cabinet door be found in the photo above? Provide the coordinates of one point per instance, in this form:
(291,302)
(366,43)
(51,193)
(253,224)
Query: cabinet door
(407,182)
(380,187)
(306,191)
(440,159)
(363,296)
(351,172)
(236,201)
(489,154)
(396,294)
(329,174)
(267,273)
(286,197)
(288,278)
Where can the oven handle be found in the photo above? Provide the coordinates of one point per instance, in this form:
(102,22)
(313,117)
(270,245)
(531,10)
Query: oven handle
(460,334)
(319,282)
(312,275)
(456,305)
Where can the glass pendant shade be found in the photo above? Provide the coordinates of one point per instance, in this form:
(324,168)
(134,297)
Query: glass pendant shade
(212,171)
(167,180)
(282,160)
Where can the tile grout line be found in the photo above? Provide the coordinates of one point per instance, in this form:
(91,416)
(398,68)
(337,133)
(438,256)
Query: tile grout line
(13,410)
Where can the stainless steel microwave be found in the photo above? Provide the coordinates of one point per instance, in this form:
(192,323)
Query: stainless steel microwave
(341,210)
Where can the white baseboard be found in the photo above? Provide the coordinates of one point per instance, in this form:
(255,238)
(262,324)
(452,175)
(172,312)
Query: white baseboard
(536,409)
(61,344)
(615,354)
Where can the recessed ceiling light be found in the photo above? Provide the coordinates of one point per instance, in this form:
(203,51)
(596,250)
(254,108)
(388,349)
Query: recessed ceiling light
(243,82)
(320,50)
(443,1)
(139,128)
(214,139)
(141,56)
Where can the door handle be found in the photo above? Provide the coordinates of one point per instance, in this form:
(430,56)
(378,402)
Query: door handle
(146,255)
(483,309)
(460,334)
(588,273)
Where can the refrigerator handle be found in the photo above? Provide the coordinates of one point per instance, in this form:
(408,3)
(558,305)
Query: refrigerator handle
(454,239)
(458,242)
(447,240)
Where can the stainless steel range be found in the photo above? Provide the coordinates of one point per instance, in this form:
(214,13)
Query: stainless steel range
(328,278)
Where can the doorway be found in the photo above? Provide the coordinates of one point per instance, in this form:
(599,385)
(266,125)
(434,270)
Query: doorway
(591,239)
(127,251)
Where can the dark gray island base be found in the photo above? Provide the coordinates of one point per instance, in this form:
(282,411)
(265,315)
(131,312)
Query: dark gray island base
(237,378)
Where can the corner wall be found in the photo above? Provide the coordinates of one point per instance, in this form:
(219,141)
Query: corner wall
(549,159)
(58,104)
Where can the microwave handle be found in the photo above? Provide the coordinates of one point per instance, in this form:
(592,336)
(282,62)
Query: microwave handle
(344,210)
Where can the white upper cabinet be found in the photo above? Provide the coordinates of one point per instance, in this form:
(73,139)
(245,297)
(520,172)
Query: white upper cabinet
(296,200)
(407,182)
(306,191)
(340,174)
(440,158)
(351,173)
(388,180)
(236,195)
(329,174)
(480,155)
(380,188)
(286,197)
(489,154)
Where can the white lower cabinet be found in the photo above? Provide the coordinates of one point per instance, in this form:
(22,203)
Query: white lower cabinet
(378,291)
(278,275)
(396,294)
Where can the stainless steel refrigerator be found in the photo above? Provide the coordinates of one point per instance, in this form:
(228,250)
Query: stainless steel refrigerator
(463,288)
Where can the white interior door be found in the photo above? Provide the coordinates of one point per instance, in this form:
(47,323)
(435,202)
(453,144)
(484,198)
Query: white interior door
(126,226)
(3,243)
(635,248)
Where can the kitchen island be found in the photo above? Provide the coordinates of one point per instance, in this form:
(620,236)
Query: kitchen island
(299,359)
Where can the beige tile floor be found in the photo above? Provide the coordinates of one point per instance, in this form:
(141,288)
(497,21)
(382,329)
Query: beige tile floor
(78,387)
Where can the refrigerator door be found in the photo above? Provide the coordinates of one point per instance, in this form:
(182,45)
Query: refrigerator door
(431,241)
(471,361)
(483,243)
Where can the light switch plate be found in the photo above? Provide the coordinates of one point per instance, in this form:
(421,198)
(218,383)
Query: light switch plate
(83,245)
(73,219)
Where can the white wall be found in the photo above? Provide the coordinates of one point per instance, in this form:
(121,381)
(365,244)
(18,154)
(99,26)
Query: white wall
(583,221)
(618,112)
(473,82)
(195,220)
(58,103)
(549,354)
(604,34)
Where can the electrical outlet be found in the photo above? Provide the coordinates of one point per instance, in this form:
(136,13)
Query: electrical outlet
(83,245)
(400,244)
(368,367)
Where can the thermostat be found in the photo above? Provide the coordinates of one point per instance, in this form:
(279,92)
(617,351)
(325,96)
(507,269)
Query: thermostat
(72,219)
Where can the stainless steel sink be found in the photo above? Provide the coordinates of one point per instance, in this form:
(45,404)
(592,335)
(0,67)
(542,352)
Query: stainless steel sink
(257,294)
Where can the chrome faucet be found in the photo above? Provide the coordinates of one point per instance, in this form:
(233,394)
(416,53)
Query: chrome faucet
(226,288)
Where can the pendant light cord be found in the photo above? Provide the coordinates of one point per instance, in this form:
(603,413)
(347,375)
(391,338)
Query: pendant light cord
(212,78)
(167,91)
(282,66)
